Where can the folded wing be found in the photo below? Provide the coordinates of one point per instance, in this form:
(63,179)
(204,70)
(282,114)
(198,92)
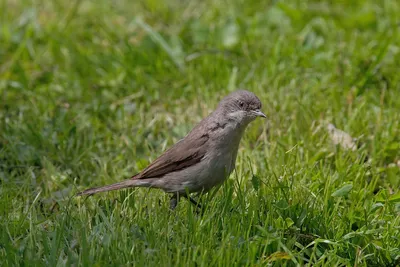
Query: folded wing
(183,154)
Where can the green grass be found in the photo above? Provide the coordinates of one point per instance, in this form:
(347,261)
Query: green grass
(92,91)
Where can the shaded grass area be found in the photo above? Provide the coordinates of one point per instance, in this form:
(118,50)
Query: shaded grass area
(93,91)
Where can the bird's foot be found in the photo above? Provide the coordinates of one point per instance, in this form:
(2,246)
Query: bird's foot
(173,202)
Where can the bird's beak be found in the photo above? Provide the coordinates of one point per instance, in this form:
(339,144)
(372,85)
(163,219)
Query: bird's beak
(258,113)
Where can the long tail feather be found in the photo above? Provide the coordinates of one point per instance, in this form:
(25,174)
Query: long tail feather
(116,186)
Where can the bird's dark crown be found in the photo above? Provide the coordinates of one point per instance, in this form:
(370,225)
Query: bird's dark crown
(241,100)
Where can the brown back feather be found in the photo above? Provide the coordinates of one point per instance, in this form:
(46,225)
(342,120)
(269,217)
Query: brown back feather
(183,154)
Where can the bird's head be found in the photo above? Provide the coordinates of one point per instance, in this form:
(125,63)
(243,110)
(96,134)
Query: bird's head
(242,106)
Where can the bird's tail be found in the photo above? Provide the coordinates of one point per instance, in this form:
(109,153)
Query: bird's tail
(116,186)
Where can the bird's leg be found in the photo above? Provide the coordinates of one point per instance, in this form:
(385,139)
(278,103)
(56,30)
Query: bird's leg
(173,202)
(194,202)
(175,199)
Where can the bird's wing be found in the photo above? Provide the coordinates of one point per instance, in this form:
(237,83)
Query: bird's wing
(183,154)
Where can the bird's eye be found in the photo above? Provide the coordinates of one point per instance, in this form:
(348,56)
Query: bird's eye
(241,104)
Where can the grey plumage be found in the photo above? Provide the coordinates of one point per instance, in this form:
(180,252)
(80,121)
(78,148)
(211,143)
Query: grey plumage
(205,157)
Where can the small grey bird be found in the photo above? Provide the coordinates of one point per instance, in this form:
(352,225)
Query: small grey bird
(204,158)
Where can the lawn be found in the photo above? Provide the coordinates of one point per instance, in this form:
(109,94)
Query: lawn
(93,91)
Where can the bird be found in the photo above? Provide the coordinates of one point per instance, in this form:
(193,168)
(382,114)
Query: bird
(204,158)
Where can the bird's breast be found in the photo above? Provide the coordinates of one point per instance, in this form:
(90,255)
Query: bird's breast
(221,158)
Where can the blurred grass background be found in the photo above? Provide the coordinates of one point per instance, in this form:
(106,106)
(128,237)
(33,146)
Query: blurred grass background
(92,91)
